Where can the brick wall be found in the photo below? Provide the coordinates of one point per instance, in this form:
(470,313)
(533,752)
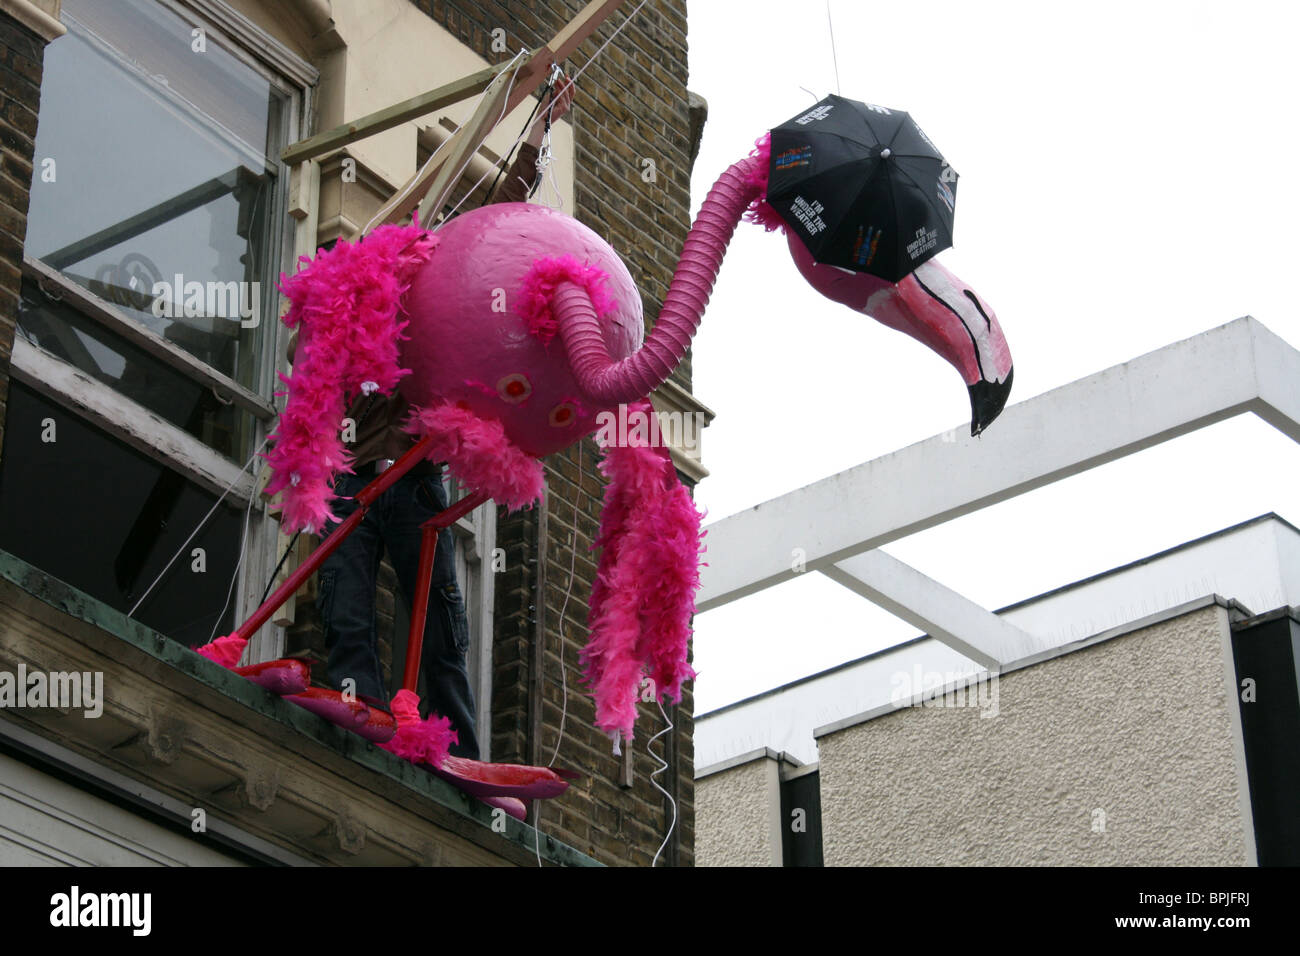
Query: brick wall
(21,54)
(631,106)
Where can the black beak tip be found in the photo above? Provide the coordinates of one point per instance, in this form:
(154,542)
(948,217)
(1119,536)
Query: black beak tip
(987,400)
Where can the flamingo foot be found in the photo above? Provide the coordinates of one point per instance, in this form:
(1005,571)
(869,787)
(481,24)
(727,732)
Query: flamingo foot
(480,779)
(283,677)
(348,714)
(516,808)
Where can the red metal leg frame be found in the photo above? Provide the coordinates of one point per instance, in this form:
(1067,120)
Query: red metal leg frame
(420,606)
(364,498)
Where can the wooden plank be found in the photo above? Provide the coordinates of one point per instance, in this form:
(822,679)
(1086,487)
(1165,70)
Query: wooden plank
(395,115)
(529,77)
(462,146)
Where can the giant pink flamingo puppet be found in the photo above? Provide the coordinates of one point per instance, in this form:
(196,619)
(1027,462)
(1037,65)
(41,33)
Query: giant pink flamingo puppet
(522,326)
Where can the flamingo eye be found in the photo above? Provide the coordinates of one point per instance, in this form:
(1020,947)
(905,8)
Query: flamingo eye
(563,415)
(514,388)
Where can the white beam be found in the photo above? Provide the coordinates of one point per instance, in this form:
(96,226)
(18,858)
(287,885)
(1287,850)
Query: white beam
(938,611)
(1238,367)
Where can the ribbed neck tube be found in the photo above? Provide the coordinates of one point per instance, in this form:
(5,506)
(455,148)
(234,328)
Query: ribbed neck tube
(637,375)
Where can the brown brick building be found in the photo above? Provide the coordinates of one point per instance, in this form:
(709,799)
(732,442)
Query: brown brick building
(122,429)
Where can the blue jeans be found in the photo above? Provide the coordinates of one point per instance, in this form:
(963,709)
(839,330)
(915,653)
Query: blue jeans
(346,599)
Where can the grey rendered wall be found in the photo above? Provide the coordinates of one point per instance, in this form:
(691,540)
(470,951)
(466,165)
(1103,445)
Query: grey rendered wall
(736,820)
(1122,753)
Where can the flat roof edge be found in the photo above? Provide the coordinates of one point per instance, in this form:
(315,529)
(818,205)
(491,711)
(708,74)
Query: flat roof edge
(1233,607)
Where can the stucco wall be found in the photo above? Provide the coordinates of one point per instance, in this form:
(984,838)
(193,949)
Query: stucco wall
(733,812)
(1137,727)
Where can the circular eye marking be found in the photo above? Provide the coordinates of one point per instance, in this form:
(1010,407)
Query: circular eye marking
(563,415)
(514,388)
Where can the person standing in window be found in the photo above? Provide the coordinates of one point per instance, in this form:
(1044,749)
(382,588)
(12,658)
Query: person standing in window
(346,592)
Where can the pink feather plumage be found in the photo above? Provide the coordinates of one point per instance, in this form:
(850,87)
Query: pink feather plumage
(426,741)
(538,291)
(479,454)
(760,211)
(347,301)
(644,593)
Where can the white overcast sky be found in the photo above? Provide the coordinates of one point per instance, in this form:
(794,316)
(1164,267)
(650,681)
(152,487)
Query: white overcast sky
(1126,182)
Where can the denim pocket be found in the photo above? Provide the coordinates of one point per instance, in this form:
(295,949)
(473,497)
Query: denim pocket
(325,594)
(457,620)
(430,495)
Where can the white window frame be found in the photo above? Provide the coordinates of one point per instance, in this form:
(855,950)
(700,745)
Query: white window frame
(136,425)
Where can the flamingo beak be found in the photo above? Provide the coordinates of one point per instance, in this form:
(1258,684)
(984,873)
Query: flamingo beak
(939,309)
(987,400)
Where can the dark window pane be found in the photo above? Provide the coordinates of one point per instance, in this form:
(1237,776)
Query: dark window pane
(164,186)
(63,331)
(105,518)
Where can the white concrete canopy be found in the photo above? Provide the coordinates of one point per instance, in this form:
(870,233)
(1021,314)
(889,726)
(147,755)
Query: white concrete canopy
(1236,368)
(942,613)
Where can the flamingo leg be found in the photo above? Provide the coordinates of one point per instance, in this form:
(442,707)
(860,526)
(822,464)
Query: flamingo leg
(420,606)
(364,498)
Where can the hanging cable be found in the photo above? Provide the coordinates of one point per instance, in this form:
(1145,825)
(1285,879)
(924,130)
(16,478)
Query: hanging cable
(505,101)
(230,591)
(505,162)
(834,57)
(283,558)
(199,527)
(654,773)
(411,185)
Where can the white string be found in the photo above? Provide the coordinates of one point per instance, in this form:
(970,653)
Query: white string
(546,169)
(505,101)
(616,32)
(663,766)
(564,680)
(834,58)
(574,80)
(230,591)
(411,184)
(199,527)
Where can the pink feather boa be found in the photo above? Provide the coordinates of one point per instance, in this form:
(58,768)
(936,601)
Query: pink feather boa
(479,454)
(644,594)
(538,291)
(347,301)
(226,650)
(760,211)
(419,741)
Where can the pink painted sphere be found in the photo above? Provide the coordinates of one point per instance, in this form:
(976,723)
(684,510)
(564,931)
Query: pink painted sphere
(470,346)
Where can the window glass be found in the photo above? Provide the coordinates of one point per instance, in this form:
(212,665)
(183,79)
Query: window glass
(162,192)
(166,391)
(106,519)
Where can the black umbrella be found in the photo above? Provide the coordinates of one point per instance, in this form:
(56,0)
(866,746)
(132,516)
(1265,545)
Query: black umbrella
(863,187)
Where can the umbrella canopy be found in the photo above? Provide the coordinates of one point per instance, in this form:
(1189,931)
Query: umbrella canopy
(863,187)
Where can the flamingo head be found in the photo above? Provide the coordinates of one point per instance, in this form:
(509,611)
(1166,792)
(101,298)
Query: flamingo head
(936,308)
